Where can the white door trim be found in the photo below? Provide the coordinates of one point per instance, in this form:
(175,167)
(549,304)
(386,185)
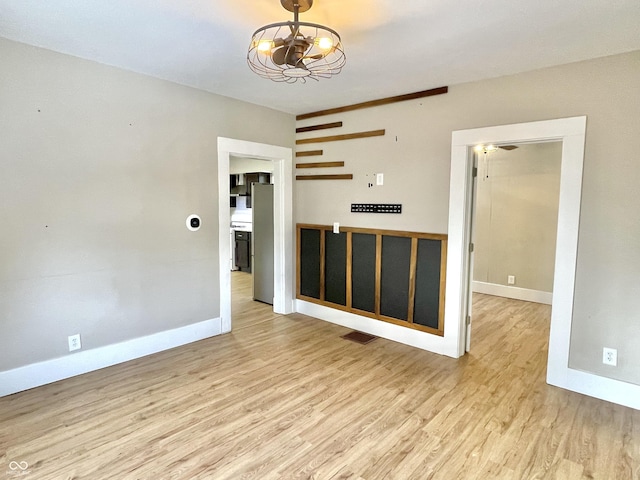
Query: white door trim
(281,157)
(572,133)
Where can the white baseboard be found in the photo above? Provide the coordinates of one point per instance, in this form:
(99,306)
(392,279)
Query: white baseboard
(609,389)
(516,293)
(49,371)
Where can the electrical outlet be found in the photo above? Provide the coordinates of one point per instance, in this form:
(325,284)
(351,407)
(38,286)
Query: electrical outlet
(610,356)
(379,178)
(74,342)
(511,280)
(336,227)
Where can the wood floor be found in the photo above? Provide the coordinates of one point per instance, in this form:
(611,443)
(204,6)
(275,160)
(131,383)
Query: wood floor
(287,398)
(244,311)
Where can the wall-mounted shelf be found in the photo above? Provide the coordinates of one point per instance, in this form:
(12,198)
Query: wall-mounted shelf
(309,153)
(376,103)
(346,176)
(323,126)
(336,138)
(320,165)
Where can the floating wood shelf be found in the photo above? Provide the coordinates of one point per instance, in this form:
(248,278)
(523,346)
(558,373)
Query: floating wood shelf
(376,103)
(324,126)
(346,176)
(320,165)
(336,138)
(310,153)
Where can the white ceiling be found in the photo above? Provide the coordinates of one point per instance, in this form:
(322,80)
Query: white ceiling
(393,47)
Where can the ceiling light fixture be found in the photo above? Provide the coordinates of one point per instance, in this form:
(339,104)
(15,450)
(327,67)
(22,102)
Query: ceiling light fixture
(292,51)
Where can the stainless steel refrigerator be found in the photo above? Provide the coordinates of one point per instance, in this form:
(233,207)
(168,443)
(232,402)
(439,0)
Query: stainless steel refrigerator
(262,242)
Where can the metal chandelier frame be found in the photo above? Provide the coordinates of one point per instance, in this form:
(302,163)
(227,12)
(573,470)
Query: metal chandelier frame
(296,51)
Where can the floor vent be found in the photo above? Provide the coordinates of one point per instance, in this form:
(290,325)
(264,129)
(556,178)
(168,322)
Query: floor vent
(359,337)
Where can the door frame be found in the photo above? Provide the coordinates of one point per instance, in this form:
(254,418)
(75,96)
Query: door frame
(572,133)
(282,216)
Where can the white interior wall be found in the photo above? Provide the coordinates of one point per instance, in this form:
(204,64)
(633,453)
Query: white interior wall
(246,165)
(99,170)
(516,216)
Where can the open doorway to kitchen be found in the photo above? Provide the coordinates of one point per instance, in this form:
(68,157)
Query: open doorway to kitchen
(252,248)
(281,160)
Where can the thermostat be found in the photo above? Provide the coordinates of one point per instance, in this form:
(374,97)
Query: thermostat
(193,222)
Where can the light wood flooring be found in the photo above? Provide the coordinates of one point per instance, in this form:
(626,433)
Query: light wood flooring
(244,310)
(284,397)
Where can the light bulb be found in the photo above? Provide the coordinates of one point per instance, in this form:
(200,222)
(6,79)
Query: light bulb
(324,43)
(265,46)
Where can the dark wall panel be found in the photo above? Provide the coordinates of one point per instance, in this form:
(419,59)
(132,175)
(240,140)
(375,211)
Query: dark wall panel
(310,262)
(392,299)
(335,270)
(363,287)
(396,264)
(427,297)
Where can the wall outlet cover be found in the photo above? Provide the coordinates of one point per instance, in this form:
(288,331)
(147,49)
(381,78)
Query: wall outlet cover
(610,356)
(74,342)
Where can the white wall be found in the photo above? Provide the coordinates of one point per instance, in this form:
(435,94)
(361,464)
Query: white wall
(415,154)
(246,165)
(99,168)
(517,215)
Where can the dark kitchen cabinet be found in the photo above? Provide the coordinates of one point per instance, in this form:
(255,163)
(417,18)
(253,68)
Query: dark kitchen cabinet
(243,251)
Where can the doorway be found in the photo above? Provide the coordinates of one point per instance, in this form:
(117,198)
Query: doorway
(251,240)
(571,132)
(514,220)
(283,222)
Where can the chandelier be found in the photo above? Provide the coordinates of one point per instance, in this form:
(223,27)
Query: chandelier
(292,51)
